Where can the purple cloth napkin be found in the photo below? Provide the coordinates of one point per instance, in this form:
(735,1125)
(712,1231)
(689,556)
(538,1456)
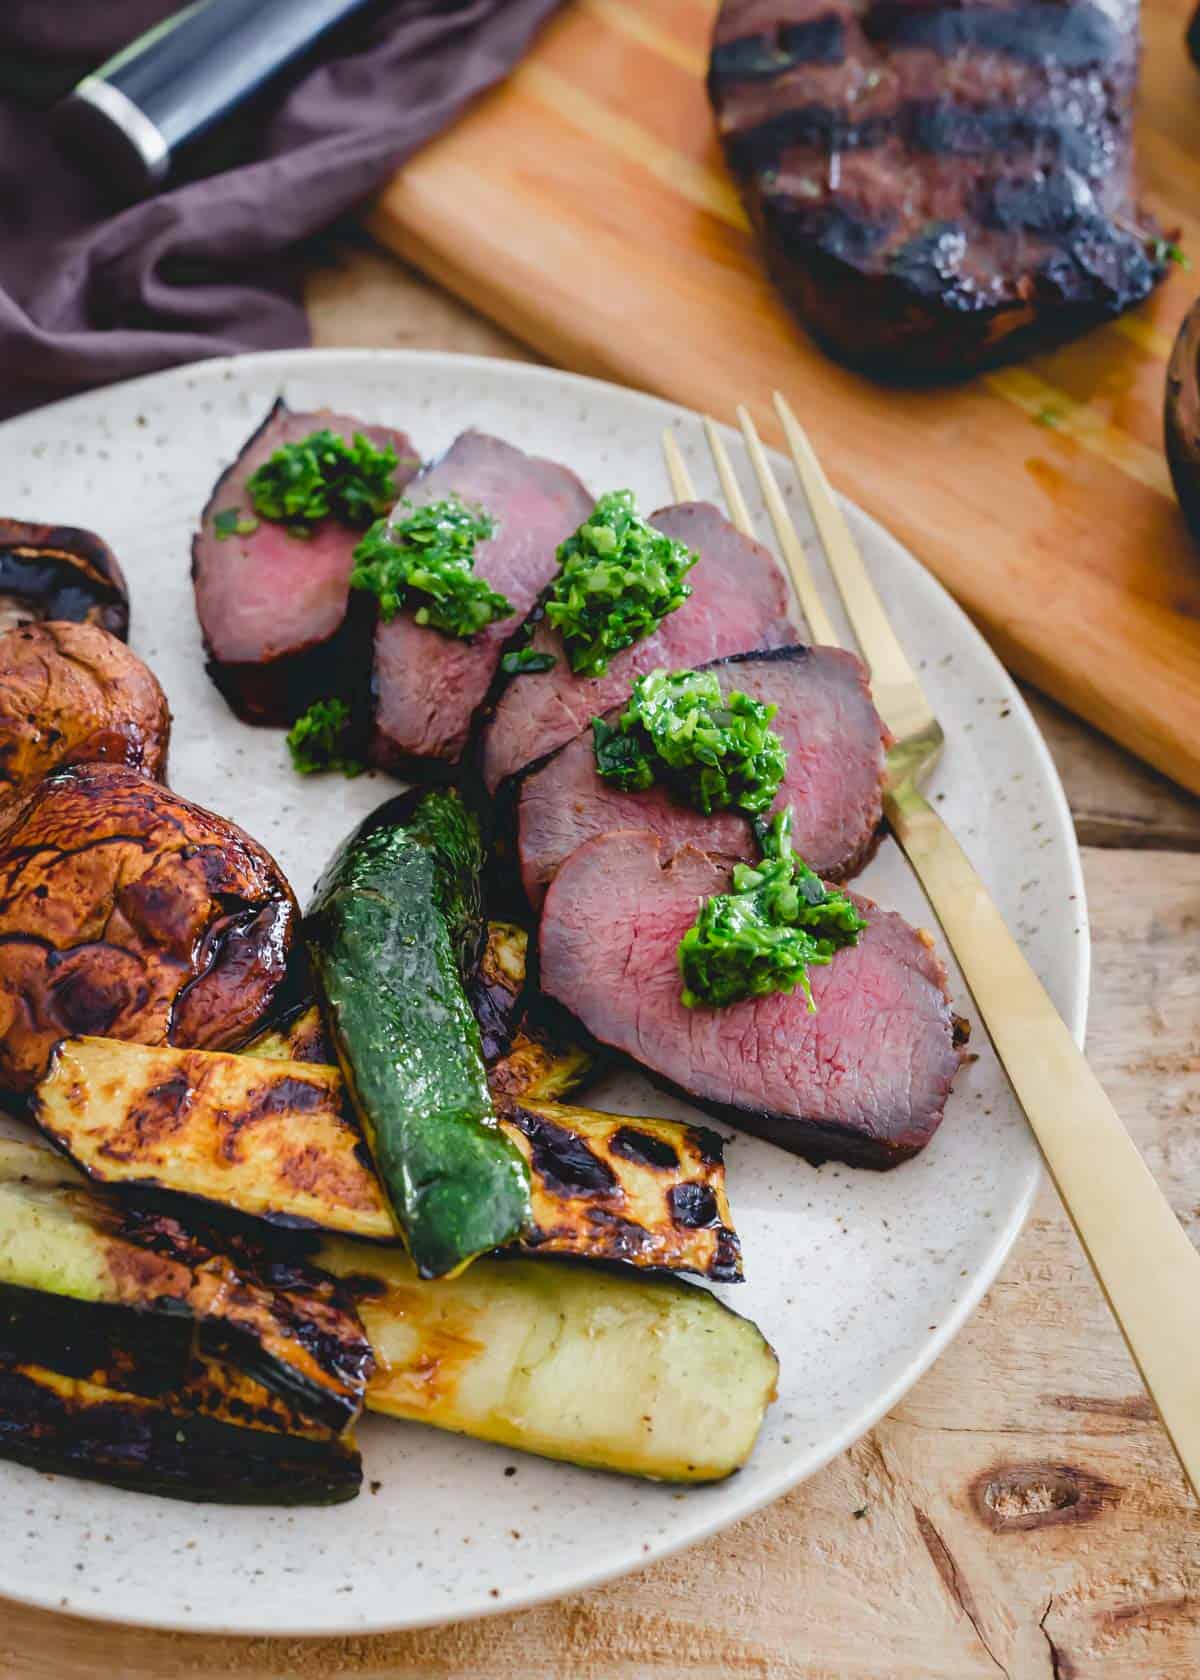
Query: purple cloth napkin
(89,294)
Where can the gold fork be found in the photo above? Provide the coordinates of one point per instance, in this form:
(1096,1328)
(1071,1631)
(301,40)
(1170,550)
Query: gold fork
(1147,1267)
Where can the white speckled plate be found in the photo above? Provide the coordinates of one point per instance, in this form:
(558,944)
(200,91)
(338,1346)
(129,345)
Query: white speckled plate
(859,1279)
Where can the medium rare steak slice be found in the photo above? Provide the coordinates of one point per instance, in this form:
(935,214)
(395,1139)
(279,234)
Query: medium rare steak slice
(740,602)
(935,182)
(863,1079)
(273,608)
(428,686)
(835,743)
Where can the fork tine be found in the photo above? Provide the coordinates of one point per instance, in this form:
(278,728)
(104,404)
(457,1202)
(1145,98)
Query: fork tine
(730,488)
(819,622)
(891,672)
(682,487)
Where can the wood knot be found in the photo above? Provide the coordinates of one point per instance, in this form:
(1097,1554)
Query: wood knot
(1023,1496)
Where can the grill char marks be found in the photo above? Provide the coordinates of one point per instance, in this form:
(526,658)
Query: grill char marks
(955,180)
(835,743)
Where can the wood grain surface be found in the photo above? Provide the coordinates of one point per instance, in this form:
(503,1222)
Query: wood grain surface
(584,206)
(1020,1514)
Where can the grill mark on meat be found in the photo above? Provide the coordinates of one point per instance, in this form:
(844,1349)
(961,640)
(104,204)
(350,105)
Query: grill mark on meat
(996,207)
(820,40)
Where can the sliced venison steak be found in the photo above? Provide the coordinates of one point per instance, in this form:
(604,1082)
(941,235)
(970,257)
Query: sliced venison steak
(740,603)
(863,1079)
(128,912)
(835,741)
(429,686)
(273,609)
(937,183)
(72,694)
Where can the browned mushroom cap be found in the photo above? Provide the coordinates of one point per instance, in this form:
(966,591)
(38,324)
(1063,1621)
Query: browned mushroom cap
(73,694)
(127,911)
(57,571)
(1181,417)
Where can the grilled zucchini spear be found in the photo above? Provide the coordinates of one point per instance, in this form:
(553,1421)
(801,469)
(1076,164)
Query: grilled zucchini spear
(132,1352)
(273,1139)
(612,1370)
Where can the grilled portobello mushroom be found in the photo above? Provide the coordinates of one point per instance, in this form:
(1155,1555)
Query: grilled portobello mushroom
(60,572)
(73,694)
(128,911)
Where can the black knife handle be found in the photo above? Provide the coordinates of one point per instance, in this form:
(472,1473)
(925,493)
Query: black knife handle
(130,117)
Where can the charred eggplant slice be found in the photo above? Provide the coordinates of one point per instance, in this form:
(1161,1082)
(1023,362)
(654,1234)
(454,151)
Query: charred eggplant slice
(282,1324)
(609,1369)
(60,572)
(274,1139)
(177,1445)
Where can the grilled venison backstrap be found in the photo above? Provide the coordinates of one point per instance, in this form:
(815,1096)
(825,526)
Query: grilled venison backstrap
(935,182)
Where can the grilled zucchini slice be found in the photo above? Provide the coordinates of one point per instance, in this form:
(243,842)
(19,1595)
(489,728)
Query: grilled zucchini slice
(140,1271)
(612,1370)
(273,1139)
(394,929)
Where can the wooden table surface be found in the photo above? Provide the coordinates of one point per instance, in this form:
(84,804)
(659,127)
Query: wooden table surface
(1020,1513)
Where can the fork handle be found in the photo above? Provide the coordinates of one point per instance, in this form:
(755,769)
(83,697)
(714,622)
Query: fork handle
(1143,1258)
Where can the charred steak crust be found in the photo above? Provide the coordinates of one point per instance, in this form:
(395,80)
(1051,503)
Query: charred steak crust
(73,694)
(129,912)
(936,185)
(864,1079)
(835,741)
(740,601)
(279,627)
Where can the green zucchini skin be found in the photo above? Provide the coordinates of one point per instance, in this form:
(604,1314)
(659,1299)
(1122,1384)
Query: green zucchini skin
(161,1446)
(144,1280)
(394,929)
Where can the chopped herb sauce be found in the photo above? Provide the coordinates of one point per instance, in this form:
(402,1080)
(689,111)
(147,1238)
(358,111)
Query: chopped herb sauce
(779,921)
(426,561)
(618,580)
(319,738)
(232,522)
(323,475)
(526,659)
(680,729)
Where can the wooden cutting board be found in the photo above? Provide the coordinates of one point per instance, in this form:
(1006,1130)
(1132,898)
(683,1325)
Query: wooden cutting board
(585,207)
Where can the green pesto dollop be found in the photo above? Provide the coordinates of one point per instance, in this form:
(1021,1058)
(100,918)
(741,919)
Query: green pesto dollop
(320,737)
(779,921)
(618,580)
(425,560)
(323,475)
(714,751)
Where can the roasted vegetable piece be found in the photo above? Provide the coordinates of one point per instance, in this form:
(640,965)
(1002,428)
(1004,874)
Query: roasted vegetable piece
(73,694)
(274,1139)
(128,911)
(394,927)
(60,572)
(298,1038)
(540,1065)
(167,1446)
(286,1327)
(497,987)
(612,1370)
(1181,414)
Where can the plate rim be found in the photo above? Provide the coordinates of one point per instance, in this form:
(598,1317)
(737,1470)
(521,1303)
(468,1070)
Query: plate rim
(295,362)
